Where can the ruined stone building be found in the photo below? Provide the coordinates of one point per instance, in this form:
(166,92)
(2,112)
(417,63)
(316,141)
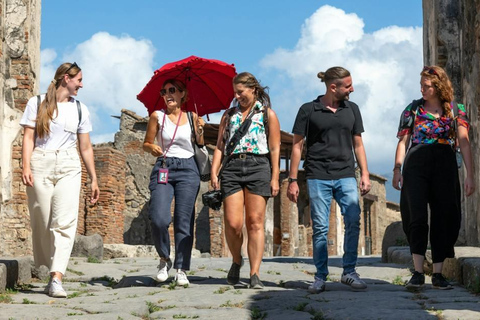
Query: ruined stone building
(451,39)
(19,70)
(451,33)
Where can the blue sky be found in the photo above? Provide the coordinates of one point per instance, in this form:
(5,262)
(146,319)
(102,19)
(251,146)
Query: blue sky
(284,43)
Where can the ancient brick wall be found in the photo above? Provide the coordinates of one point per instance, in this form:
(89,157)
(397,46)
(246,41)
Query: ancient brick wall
(19,68)
(106,216)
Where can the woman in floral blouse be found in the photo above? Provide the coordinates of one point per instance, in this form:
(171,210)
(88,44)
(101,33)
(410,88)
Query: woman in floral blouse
(428,133)
(250,175)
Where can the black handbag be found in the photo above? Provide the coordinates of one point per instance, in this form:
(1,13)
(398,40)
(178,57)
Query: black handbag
(201,154)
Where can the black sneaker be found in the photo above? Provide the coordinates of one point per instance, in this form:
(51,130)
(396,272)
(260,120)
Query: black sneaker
(417,281)
(233,276)
(439,282)
(255,282)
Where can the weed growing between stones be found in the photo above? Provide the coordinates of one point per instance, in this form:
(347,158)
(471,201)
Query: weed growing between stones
(5,298)
(274,272)
(78,273)
(229,304)
(91,259)
(221,290)
(301,306)
(26,301)
(475,286)
(398,281)
(256,314)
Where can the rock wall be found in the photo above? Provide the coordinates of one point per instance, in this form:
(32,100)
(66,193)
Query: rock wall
(19,70)
(452,40)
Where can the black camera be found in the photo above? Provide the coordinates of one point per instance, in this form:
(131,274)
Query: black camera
(212,199)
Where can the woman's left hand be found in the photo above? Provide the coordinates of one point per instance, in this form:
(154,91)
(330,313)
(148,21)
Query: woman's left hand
(274,185)
(95,192)
(469,186)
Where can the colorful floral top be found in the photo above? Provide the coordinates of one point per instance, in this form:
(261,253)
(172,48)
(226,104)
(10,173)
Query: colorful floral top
(427,128)
(255,140)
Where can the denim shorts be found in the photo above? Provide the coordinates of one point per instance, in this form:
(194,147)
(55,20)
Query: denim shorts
(247,171)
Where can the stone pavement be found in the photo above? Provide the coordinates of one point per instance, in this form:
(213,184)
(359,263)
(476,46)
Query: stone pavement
(124,288)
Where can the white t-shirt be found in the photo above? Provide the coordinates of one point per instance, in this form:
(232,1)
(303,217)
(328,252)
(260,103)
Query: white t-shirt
(63,127)
(182,143)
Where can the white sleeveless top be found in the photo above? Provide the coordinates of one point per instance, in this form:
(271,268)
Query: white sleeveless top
(182,143)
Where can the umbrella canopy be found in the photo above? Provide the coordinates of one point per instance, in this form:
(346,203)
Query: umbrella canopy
(208,81)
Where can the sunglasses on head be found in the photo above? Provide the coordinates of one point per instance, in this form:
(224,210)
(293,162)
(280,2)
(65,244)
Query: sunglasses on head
(72,66)
(171,90)
(430,70)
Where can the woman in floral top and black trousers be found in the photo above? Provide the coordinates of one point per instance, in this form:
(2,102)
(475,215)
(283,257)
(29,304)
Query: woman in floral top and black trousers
(428,131)
(251,174)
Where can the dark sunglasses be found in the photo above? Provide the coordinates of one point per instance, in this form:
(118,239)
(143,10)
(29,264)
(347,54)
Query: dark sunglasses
(430,70)
(171,90)
(72,66)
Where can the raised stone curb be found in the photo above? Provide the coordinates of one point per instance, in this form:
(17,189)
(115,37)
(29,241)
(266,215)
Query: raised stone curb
(15,270)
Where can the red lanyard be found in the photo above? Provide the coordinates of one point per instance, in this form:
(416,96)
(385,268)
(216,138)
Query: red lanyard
(165,150)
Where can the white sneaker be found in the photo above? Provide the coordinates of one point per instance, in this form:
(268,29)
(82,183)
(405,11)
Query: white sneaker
(353,280)
(56,289)
(317,287)
(163,268)
(181,278)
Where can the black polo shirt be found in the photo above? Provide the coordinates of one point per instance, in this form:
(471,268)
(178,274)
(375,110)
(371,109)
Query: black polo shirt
(329,142)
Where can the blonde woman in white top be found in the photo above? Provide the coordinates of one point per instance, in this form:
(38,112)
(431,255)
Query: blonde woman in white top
(51,170)
(175,174)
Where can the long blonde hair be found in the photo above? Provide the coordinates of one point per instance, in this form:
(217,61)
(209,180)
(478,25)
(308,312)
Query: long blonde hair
(48,107)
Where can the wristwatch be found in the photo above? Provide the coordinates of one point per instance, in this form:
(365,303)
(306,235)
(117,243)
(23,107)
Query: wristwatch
(290,180)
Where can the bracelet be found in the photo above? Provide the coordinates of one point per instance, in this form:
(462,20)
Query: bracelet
(397,167)
(200,130)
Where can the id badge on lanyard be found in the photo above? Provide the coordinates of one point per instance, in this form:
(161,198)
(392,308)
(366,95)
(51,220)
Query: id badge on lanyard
(163,171)
(162,175)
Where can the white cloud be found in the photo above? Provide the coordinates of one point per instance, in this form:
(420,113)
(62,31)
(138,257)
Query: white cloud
(385,67)
(115,69)
(47,69)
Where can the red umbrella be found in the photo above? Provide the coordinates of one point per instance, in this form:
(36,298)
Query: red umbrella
(208,81)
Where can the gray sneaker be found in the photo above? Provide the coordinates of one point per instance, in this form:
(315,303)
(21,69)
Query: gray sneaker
(317,287)
(353,280)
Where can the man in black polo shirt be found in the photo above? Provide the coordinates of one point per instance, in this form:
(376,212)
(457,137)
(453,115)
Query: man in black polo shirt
(333,129)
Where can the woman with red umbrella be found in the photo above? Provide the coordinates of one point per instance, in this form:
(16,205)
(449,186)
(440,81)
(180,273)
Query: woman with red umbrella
(175,174)
(250,174)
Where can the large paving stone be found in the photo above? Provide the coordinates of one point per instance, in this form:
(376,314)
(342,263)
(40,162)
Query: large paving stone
(18,270)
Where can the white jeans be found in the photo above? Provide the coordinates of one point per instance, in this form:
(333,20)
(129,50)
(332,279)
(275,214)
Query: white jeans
(53,205)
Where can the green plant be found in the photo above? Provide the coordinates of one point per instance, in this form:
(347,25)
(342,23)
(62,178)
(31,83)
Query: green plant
(475,286)
(78,273)
(273,272)
(111,281)
(74,295)
(257,314)
(179,316)
(74,314)
(398,281)
(26,301)
(229,304)
(152,307)
(92,259)
(301,306)
(5,298)
(221,290)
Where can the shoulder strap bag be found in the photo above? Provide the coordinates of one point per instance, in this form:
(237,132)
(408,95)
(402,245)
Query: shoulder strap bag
(201,154)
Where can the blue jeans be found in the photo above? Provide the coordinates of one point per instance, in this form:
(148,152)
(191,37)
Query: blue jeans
(183,184)
(345,193)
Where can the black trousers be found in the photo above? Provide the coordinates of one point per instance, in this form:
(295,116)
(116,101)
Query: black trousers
(430,178)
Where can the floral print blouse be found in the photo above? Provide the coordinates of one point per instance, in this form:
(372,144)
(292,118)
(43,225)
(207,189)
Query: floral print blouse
(255,140)
(427,129)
